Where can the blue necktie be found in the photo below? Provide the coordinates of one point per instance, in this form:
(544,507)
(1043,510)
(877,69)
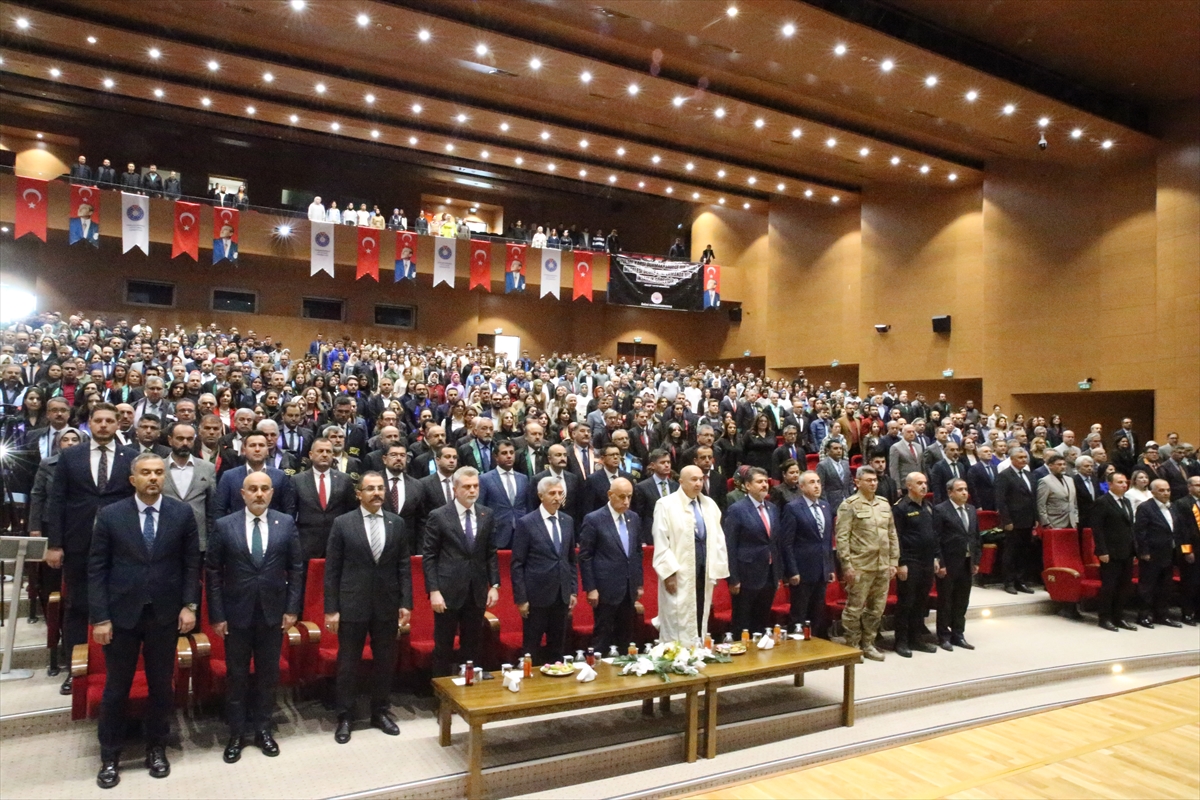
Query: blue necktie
(555,535)
(701,538)
(469,530)
(485,457)
(623,532)
(148,529)
(701,531)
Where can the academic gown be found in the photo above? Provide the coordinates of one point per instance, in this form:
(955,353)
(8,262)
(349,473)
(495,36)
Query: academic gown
(674,532)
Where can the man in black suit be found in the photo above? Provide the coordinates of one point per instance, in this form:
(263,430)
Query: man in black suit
(981,478)
(1016,503)
(806,541)
(322,495)
(423,452)
(478,450)
(713,480)
(596,488)
(462,571)
(1187,533)
(438,489)
(388,435)
(544,579)
(918,565)
(531,450)
(368,591)
(557,466)
(1112,532)
(85,480)
(888,489)
(945,469)
(1087,490)
(148,433)
(610,565)
(790,449)
(658,485)
(143,588)
(756,563)
(255,589)
(1154,535)
(293,436)
(403,492)
(639,437)
(960,548)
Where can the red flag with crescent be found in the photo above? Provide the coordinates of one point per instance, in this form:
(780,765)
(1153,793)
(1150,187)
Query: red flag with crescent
(481,265)
(514,267)
(583,275)
(31,208)
(85,195)
(222,217)
(712,277)
(186,236)
(368,253)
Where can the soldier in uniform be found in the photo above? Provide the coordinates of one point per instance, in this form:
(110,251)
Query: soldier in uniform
(869,551)
(918,563)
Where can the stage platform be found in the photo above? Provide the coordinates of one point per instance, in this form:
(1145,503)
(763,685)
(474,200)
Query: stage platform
(1028,657)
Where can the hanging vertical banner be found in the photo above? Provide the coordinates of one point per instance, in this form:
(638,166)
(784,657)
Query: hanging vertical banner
(135,222)
(406,256)
(31,208)
(225,235)
(583,275)
(481,265)
(551,279)
(84,225)
(368,253)
(712,286)
(514,268)
(321,246)
(186,236)
(443,261)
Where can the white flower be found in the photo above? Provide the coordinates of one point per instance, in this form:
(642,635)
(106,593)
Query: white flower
(659,649)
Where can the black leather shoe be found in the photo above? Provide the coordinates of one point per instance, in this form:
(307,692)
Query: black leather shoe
(1170,623)
(903,651)
(233,750)
(1008,587)
(1146,623)
(53,670)
(67,685)
(945,645)
(1188,619)
(1126,626)
(342,734)
(961,641)
(33,617)
(1108,626)
(924,647)
(156,762)
(265,742)
(1023,589)
(383,720)
(109,774)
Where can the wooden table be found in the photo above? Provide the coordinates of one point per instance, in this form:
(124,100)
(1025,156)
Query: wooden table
(790,658)
(489,702)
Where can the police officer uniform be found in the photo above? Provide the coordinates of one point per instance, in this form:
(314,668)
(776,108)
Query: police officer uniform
(866,543)
(918,552)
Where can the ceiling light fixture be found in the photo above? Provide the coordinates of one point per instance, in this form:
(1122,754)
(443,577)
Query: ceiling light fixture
(779,187)
(864,152)
(795,133)
(374,134)
(831,142)
(972,96)
(545,135)
(158,93)
(481,50)
(583,143)
(154,53)
(412,140)
(720,173)
(449,147)
(583,173)
(759,123)
(641,184)
(1009,109)
(336,126)
(721,200)
(108,83)
(535,64)
(835,199)
(746,205)
(677,101)
(268,77)
(363,20)
(1107,144)
(204,101)
(213,66)
(731,12)
(689,166)
(953,176)
(620,151)
(293,119)
(808,192)
(22,23)
(586,77)
(298,5)
(423,35)
(551,167)
(887,65)
(695,195)
(319,88)
(55,72)
(416,108)
(251,110)
(504,126)
(655,158)
(369,99)
(719,112)
(670,190)
(518,161)
(484,154)
(788,30)
(1077,133)
(1043,122)
(839,50)
(612,178)
(633,89)
(460,119)
(924,169)
(91,40)
(752,180)
(931,81)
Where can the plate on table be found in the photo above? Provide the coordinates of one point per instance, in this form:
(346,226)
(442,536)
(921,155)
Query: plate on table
(734,649)
(557,669)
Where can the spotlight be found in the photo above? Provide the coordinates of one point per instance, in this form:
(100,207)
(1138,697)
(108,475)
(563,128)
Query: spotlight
(283,231)
(633,89)
(481,50)
(319,88)
(719,113)
(423,35)
(1009,109)
(789,30)
(839,50)
(1107,144)
(931,81)
(363,20)
(1117,669)
(972,96)
(887,65)
(213,66)
(795,133)
(585,77)
(154,53)
(535,64)
(1077,133)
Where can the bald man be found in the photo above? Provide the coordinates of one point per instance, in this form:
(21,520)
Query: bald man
(1156,540)
(610,563)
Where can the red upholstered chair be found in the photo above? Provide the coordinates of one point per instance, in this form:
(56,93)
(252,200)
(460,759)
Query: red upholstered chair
(510,639)
(835,599)
(988,563)
(1064,573)
(1091,564)
(892,598)
(321,660)
(583,622)
(88,670)
(720,620)
(811,460)
(856,461)
(781,606)
(416,650)
(647,632)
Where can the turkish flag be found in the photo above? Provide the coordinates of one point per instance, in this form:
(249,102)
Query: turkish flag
(31,208)
(583,275)
(222,217)
(85,195)
(186,236)
(368,253)
(481,265)
(712,277)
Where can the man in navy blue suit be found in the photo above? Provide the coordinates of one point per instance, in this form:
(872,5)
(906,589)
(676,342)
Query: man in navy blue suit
(254,454)
(86,480)
(505,491)
(1156,543)
(808,536)
(143,590)
(756,563)
(255,567)
(610,563)
(599,483)
(543,572)
(83,228)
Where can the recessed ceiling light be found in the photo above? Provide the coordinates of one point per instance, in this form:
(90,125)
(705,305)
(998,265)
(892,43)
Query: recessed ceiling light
(293,119)
(612,178)
(1107,144)
(337,126)
(721,200)
(789,29)
(423,35)
(731,11)
(752,180)
(641,184)
(620,151)
(931,81)
(632,89)
(586,77)
(251,110)
(91,40)
(412,140)
(363,20)
(695,195)
(535,63)
(369,99)
(22,23)
(1077,133)
(213,66)
(40,136)
(319,88)
(677,101)
(839,50)
(835,199)
(518,161)
(268,77)
(718,112)
(504,126)
(670,190)
(779,187)
(1043,122)
(484,154)
(745,205)
(831,142)
(655,158)
(374,134)
(758,123)
(551,167)
(720,173)
(481,49)
(298,5)
(154,53)
(583,143)
(972,96)
(953,176)
(795,133)
(416,108)
(864,152)
(887,65)
(808,193)
(158,93)
(895,160)
(1008,109)
(449,147)
(55,72)
(924,169)
(583,173)
(545,135)
(461,118)
(689,166)
(204,101)
(447,200)
(108,83)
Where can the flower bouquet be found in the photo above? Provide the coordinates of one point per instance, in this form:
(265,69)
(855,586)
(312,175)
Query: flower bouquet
(669,658)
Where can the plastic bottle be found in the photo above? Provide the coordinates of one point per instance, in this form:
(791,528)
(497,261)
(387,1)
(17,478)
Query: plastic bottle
(527,666)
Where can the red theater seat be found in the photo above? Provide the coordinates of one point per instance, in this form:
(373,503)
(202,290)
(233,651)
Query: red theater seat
(583,622)
(720,620)
(1091,564)
(510,640)
(647,632)
(856,461)
(1064,573)
(88,671)
(811,460)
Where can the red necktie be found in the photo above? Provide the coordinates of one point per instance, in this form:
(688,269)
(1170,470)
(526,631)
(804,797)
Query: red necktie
(321,491)
(762,512)
(912,450)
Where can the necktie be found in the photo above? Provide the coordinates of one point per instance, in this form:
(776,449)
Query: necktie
(793,452)
(766,520)
(396,495)
(510,486)
(662,488)
(485,457)
(555,535)
(818,518)
(449,491)
(469,530)
(701,530)
(321,495)
(706,487)
(962,515)
(256,543)
(912,450)
(148,529)
(102,469)
(587,462)
(623,532)
(1128,509)
(376,537)
(533,470)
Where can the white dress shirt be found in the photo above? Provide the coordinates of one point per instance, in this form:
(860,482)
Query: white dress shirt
(182,476)
(464,512)
(1166,512)
(95,457)
(508,480)
(262,529)
(141,507)
(550,528)
(389,479)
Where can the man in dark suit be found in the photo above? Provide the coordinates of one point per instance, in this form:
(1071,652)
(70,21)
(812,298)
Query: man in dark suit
(647,493)
(756,564)
(806,542)
(1187,533)
(403,493)
(1015,495)
(1154,535)
(254,454)
(368,592)
(322,495)
(293,436)
(255,589)
(713,480)
(479,450)
(1112,532)
(837,479)
(148,433)
(610,565)
(531,450)
(918,565)
(946,469)
(438,489)
(86,480)
(544,579)
(639,437)
(581,458)
(981,478)
(557,466)
(143,589)
(960,548)
(1087,489)
(462,571)
(790,449)
(504,491)
(596,487)
(887,489)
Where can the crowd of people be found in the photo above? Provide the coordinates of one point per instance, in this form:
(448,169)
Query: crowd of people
(364,453)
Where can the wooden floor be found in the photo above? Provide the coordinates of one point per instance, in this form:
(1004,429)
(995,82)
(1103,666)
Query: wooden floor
(1144,744)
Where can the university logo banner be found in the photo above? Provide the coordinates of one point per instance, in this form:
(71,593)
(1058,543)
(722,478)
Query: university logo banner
(654,283)
(368,253)
(481,265)
(31,208)
(225,235)
(583,275)
(406,256)
(551,279)
(321,248)
(185,238)
(84,225)
(135,222)
(443,260)
(514,268)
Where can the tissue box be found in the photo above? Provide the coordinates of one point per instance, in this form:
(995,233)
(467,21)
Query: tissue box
(512,681)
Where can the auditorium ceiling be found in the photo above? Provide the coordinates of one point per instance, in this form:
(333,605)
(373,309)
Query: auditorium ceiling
(729,102)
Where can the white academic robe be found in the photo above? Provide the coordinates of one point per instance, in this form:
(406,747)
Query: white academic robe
(675,554)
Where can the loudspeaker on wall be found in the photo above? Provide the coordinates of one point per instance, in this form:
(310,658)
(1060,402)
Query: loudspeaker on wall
(941,324)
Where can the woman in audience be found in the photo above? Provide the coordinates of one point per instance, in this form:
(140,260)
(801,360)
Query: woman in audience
(870,442)
(727,449)
(759,443)
(674,443)
(1037,452)
(1123,457)
(506,431)
(225,409)
(313,407)
(539,238)
(970,455)
(176,391)
(117,390)
(1054,431)
(1139,489)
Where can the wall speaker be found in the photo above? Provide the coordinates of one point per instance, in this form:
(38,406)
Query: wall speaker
(735,315)
(941,324)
